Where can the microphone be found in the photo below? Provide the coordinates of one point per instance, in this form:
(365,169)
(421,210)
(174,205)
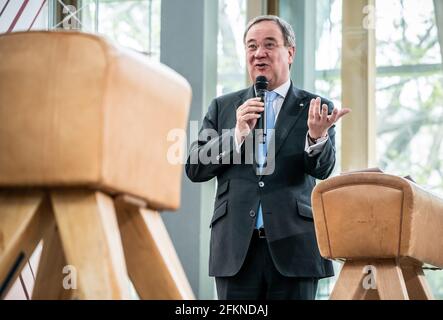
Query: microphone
(261,86)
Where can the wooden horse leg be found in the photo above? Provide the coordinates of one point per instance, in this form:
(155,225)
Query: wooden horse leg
(152,262)
(91,242)
(416,284)
(387,280)
(349,285)
(49,280)
(24,218)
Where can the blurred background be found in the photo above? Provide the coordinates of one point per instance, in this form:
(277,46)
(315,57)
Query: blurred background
(383,59)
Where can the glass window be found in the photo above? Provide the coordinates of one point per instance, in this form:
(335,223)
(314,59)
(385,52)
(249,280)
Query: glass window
(131,23)
(23,15)
(409,94)
(231,64)
(328,59)
(410,98)
(328,85)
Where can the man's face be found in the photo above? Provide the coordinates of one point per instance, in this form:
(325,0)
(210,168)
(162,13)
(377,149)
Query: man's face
(267,55)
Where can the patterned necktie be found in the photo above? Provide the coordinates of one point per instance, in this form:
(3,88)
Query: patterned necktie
(263,148)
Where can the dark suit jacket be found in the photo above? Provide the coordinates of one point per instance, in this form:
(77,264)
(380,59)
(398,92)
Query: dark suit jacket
(285,194)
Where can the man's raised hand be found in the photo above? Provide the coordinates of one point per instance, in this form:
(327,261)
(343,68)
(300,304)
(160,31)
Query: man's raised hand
(319,121)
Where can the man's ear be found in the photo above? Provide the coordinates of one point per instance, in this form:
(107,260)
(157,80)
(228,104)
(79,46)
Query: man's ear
(291,51)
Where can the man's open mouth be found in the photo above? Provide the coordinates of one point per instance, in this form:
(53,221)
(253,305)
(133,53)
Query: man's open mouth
(261,65)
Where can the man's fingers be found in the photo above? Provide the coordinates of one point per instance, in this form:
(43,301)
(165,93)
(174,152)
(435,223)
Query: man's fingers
(250,116)
(337,114)
(251,109)
(324,112)
(319,120)
(345,111)
(317,108)
(342,112)
(252,104)
(311,109)
(252,100)
(333,117)
(255,103)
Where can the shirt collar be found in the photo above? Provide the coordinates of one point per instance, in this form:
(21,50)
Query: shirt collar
(283,89)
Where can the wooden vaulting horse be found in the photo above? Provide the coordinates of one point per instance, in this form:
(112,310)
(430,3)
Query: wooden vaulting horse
(380,223)
(83,166)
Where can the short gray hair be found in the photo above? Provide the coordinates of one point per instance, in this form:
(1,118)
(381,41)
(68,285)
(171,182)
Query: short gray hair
(286,29)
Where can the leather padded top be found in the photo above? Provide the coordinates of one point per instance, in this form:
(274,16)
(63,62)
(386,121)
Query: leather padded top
(76,110)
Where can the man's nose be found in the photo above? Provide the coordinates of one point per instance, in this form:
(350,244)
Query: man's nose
(260,52)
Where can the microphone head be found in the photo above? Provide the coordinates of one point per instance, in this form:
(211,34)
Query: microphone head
(261,83)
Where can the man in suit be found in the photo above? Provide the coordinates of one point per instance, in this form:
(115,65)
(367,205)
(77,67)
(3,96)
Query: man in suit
(263,243)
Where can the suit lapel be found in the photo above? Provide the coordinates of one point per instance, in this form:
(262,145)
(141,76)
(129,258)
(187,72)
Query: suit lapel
(248,94)
(290,112)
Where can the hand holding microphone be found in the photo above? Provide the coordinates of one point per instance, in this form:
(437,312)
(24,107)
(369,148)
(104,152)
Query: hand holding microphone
(250,112)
